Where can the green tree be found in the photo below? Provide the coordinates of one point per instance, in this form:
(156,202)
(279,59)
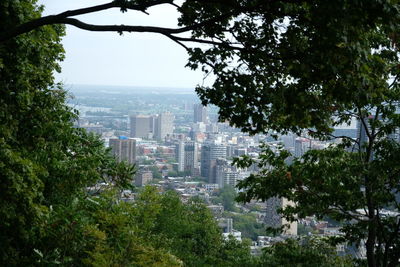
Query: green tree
(226,196)
(311,252)
(156,172)
(248,225)
(45,163)
(189,231)
(26,135)
(307,67)
(236,253)
(99,231)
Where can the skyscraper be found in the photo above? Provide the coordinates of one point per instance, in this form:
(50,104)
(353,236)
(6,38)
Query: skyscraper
(225,174)
(123,149)
(274,219)
(301,146)
(190,161)
(164,125)
(180,155)
(199,113)
(210,152)
(141,126)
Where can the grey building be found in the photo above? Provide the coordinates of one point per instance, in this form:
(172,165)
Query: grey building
(199,113)
(209,154)
(143,177)
(142,126)
(190,159)
(164,125)
(180,155)
(274,219)
(123,149)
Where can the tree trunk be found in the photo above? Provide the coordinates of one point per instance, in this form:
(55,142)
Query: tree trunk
(370,245)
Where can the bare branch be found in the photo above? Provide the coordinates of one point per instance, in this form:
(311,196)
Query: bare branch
(173,38)
(120,28)
(65,18)
(210,42)
(58,19)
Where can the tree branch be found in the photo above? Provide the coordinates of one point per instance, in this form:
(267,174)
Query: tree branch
(58,19)
(65,18)
(120,28)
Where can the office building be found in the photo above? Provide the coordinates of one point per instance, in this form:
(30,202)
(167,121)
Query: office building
(210,152)
(274,219)
(124,149)
(199,113)
(180,155)
(230,178)
(301,146)
(143,177)
(190,159)
(142,126)
(164,125)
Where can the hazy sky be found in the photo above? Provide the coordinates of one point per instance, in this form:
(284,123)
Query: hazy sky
(136,59)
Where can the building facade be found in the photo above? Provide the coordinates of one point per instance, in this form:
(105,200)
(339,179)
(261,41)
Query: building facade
(274,219)
(164,125)
(210,153)
(190,159)
(199,113)
(124,149)
(180,155)
(141,126)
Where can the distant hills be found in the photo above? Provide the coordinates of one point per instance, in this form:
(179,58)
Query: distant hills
(126,90)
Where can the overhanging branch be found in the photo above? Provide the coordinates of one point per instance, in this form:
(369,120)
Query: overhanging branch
(66,18)
(59,18)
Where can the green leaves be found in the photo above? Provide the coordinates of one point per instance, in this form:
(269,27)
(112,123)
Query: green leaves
(311,252)
(294,61)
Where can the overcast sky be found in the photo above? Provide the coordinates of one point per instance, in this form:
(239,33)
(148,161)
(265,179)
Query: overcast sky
(136,59)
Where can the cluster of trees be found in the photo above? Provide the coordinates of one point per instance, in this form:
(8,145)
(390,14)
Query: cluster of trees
(299,66)
(226,196)
(248,225)
(46,165)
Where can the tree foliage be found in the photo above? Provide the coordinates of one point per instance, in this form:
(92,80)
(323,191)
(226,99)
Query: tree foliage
(226,196)
(308,252)
(46,163)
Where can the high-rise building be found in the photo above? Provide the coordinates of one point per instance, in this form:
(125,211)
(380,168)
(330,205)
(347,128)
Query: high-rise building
(180,155)
(124,149)
(199,113)
(142,126)
(274,219)
(143,177)
(209,154)
(190,160)
(225,174)
(164,125)
(205,160)
(301,146)
(230,178)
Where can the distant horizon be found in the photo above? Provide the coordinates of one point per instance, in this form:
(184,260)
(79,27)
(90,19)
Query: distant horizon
(79,87)
(127,85)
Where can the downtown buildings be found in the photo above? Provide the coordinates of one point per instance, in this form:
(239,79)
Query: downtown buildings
(152,126)
(123,148)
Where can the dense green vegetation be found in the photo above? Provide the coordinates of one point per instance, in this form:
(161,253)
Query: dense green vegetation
(247,224)
(308,252)
(48,216)
(226,196)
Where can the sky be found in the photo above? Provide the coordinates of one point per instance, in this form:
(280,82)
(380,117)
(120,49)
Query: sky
(133,59)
